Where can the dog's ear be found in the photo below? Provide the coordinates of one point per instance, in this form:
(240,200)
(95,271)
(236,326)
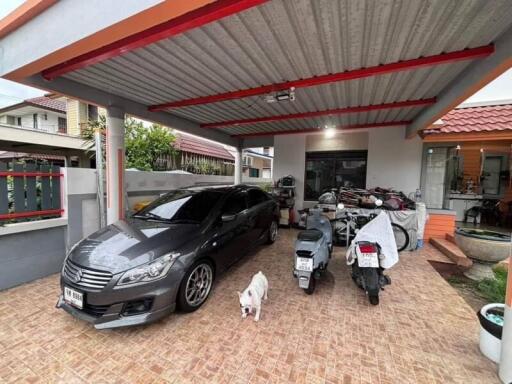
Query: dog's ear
(249,293)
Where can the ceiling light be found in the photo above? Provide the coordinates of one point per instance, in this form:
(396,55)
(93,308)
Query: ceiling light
(329,132)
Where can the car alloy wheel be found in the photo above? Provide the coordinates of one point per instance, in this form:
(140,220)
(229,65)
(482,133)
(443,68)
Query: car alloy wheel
(198,285)
(272,232)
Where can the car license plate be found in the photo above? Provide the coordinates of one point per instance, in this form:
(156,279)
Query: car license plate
(73,297)
(368,260)
(305,264)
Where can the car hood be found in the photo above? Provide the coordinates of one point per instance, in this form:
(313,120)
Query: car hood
(130,243)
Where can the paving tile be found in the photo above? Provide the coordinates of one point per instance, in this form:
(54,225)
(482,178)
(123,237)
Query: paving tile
(422,332)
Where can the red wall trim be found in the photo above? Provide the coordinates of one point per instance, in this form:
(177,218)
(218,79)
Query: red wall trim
(194,19)
(421,62)
(337,111)
(319,130)
(30,174)
(48,212)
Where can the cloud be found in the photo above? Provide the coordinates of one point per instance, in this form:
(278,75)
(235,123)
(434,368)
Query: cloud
(12,93)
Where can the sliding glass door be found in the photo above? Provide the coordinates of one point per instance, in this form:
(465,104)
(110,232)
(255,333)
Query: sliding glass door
(326,170)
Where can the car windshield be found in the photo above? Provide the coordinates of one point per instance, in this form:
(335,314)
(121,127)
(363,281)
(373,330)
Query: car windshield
(181,206)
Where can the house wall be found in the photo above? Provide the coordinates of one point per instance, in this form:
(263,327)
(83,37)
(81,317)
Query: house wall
(72,116)
(290,159)
(393,161)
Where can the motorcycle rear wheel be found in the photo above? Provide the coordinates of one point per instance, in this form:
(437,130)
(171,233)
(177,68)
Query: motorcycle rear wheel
(374,299)
(311,288)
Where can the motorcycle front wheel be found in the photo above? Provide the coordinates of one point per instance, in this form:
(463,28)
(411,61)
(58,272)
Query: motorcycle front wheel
(311,287)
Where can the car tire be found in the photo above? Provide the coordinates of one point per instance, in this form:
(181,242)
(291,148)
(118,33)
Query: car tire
(195,286)
(272,232)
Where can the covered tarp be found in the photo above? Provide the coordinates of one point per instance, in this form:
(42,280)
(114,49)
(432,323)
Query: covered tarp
(407,219)
(379,231)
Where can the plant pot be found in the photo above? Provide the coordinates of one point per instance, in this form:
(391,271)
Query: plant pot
(485,248)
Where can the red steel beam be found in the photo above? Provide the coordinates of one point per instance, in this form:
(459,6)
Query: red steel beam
(18,215)
(421,62)
(337,111)
(30,174)
(320,130)
(194,19)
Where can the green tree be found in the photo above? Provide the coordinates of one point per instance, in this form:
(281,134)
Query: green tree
(143,145)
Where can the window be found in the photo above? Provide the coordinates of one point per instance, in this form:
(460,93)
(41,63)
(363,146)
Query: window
(247,161)
(491,174)
(92,112)
(181,206)
(254,172)
(235,204)
(10,120)
(34,119)
(326,170)
(256,196)
(63,124)
(19,121)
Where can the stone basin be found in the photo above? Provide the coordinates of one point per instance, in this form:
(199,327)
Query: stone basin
(485,248)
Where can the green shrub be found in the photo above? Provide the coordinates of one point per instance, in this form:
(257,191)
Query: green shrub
(494,289)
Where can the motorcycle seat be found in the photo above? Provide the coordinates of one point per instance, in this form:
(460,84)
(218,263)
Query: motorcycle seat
(310,235)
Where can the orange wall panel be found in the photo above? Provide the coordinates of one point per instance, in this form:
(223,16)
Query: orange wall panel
(438,225)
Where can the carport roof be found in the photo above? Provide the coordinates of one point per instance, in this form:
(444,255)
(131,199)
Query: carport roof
(352,64)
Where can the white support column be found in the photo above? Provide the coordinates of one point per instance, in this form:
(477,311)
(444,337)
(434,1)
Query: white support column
(115,164)
(238,165)
(505,370)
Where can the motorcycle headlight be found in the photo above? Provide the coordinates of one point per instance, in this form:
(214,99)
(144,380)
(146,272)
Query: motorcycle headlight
(152,271)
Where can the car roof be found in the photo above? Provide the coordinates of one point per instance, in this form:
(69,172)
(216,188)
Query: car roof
(219,188)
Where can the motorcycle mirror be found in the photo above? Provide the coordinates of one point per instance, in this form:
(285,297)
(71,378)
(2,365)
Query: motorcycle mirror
(378,202)
(340,206)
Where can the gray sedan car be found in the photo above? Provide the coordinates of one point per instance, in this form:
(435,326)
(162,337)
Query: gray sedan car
(139,269)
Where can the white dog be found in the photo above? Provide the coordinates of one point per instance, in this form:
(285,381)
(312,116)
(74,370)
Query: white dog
(250,299)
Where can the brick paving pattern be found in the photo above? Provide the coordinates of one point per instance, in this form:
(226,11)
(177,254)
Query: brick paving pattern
(422,332)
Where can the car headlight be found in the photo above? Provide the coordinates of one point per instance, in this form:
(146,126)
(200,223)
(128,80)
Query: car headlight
(154,270)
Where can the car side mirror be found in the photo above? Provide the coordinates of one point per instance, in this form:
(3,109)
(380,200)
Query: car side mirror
(227,218)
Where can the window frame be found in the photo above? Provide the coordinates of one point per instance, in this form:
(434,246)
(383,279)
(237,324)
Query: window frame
(335,156)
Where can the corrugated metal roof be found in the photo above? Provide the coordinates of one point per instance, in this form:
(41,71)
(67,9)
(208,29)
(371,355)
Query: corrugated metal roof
(285,40)
(476,119)
(193,144)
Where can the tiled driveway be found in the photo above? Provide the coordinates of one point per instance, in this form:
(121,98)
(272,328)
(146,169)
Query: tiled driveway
(422,332)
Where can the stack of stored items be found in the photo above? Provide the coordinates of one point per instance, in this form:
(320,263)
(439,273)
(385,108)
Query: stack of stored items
(284,193)
(366,198)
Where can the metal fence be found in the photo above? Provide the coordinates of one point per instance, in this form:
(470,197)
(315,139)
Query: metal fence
(29,191)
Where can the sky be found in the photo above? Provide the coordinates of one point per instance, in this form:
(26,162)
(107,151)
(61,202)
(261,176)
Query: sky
(12,93)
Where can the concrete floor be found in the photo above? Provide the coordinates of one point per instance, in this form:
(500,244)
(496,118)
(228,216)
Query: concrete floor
(422,332)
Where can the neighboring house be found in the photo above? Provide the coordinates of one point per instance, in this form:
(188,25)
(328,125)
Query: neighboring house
(47,127)
(46,114)
(467,158)
(257,162)
(200,156)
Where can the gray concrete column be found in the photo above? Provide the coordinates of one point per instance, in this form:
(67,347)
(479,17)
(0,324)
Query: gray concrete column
(238,165)
(115,164)
(505,370)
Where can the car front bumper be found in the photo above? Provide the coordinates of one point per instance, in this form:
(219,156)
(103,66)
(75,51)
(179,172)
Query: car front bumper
(107,308)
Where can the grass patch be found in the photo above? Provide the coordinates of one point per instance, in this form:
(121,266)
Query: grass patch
(492,290)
